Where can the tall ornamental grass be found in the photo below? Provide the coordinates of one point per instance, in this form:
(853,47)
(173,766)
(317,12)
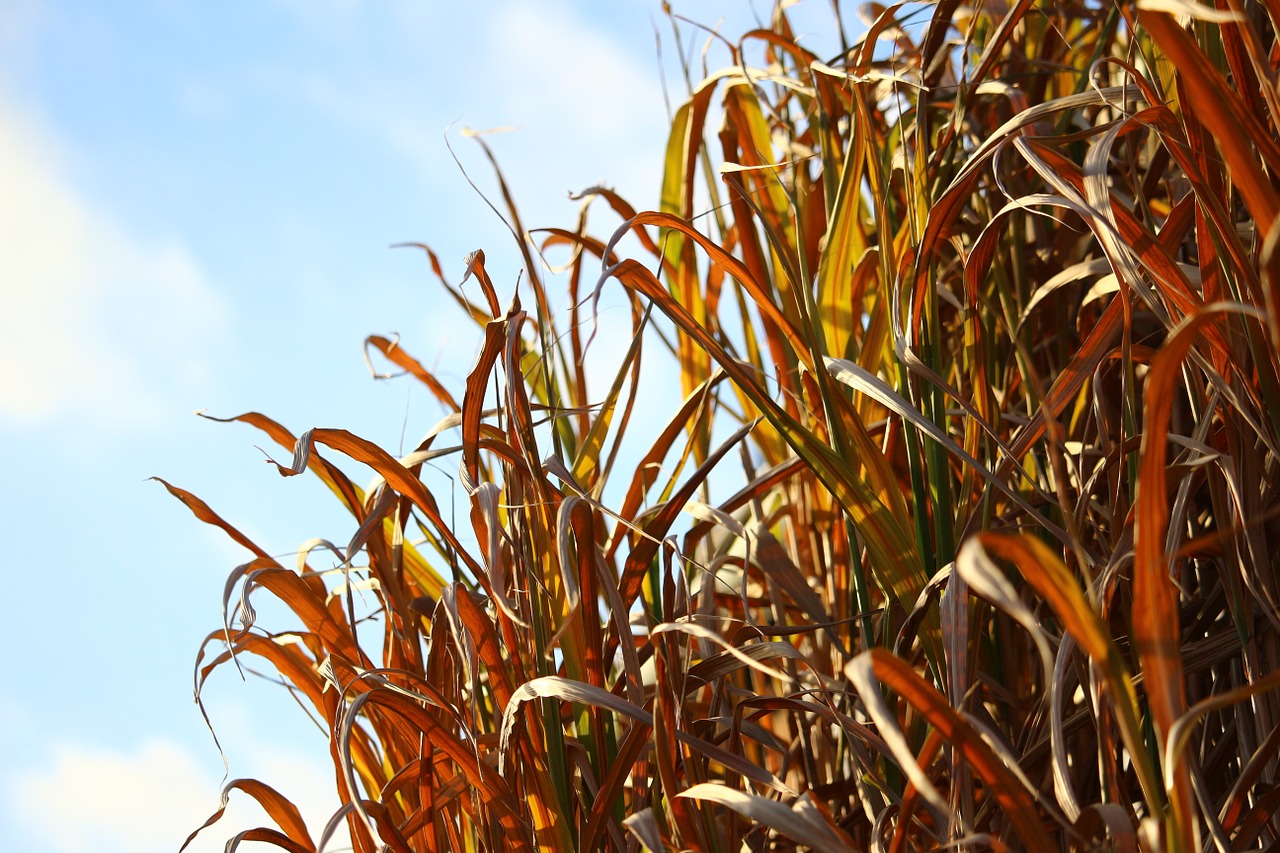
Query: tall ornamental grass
(978,318)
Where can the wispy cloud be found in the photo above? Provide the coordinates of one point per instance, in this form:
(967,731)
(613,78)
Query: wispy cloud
(551,67)
(97,320)
(148,799)
(584,101)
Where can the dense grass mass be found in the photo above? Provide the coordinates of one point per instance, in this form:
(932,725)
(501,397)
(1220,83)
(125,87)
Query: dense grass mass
(981,315)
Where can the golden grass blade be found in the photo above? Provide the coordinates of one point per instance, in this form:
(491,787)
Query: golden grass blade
(759,181)
(895,558)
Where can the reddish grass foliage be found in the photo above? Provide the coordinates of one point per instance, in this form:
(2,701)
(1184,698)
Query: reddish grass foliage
(981,314)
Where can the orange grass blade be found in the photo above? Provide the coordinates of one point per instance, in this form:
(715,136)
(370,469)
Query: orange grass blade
(764,300)
(1219,108)
(298,669)
(469,308)
(655,529)
(586,468)
(878,666)
(485,782)
(1156,630)
(1271,284)
(202,511)
(266,835)
(1049,577)
(276,805)
(392,352)
(396,475)
(347,492)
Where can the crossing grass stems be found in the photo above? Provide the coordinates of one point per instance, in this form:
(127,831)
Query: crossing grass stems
(979,319)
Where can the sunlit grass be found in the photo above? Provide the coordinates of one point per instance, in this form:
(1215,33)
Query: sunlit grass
(983,323)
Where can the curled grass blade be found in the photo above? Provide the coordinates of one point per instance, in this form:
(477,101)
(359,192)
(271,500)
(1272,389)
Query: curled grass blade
(795,823)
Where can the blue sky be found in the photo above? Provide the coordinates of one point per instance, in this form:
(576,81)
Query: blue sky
(198,204)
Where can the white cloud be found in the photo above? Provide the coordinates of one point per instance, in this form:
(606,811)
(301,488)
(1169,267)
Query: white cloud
(96,321)
(91,799)
(587,104)
(559,71)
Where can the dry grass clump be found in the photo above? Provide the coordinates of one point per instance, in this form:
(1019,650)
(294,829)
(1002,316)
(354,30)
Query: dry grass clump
(983,310)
